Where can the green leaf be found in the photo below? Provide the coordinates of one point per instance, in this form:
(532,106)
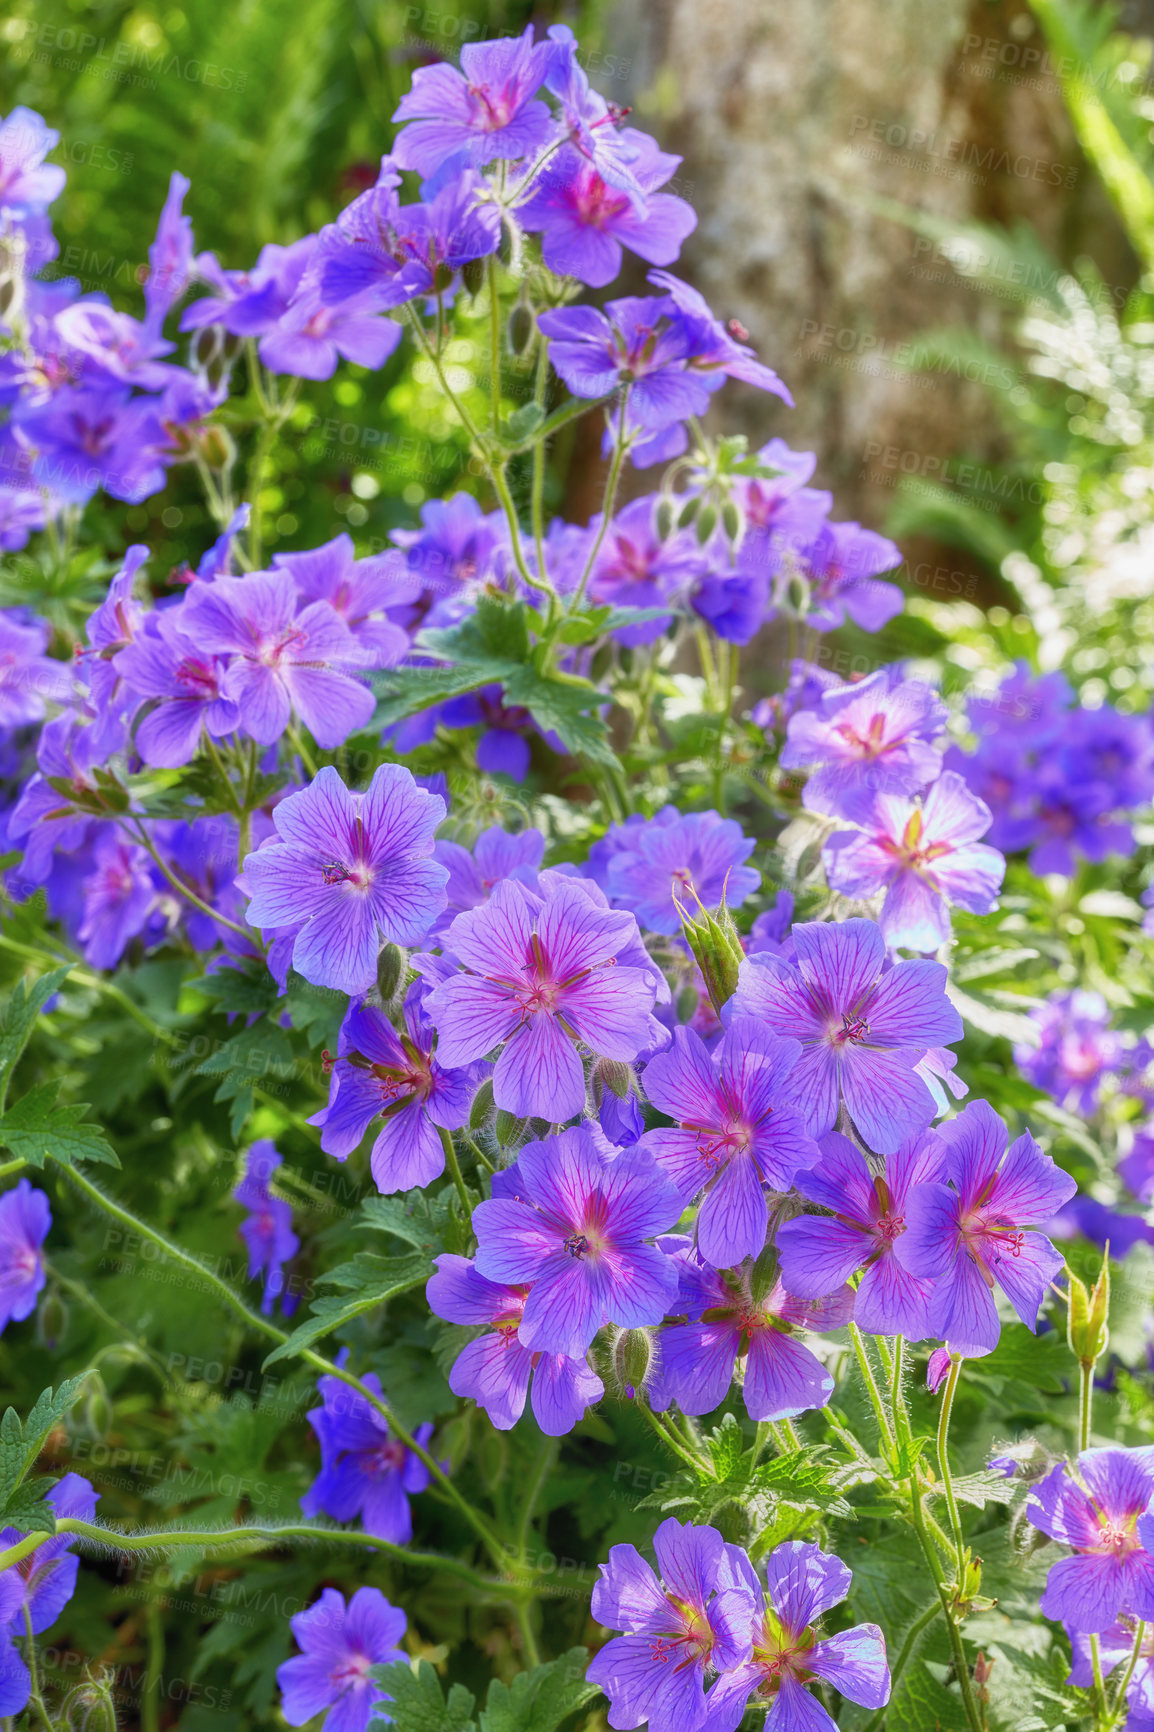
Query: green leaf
(538,1701)
(979,1489)
(245,991)
(416,1218)
(522,423)
(22,1440)
(255,1057)
(404,692)
(370,1280)
(36,1128)
(920,1703)
(417,1703)
(18,1019)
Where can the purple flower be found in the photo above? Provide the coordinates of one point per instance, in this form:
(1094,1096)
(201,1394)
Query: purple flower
(585,220)
(396,1078)
(981,1231)
(502,749)
(691,1619)
(863,1027)
(485,112)
(25,1218)
(402,251)
(925,857)
(268,1229)
(47,1576)
(1078,1050)
(452,555)
(735,1133)
(86,438)
(285,658)
(1098,1507)
(249,303)
(309,337)
(1115,1646)
(729,1322)
(878,735)
(715,352)
(839,566)
(635,568)
(165,665)
(15,1680)
(365,1471)
(119,896)
(496,855)
(345,871)
(338,1646)
(543,973)
(576,1232)
(169,256)
(638,341)
(802,1583)
(496,1369)
(937,1369)
(360,592)
(819,1252)
(29,679)
(589,122)
(734,603)
(28,184)
(697,859)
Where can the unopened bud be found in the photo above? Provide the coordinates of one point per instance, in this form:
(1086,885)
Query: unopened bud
(616,1075)
(632,1357)
(508,1127)
(706,523)
(442,278)
(97,1409)
(689,511)
(90,1708)
(473,275)
(663,517)
(1087,1330)
(731,520)
(391,968)
(763,1275)
(599,666)
(217,447)
(716,947)
(687,1001)
(482,1105)
(520,328)
(51,1318)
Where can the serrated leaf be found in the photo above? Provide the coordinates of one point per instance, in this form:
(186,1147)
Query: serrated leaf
(417,1702)
(920,1703)
(37,1129)
(19,1017)
(415,1218)
(979,1489)
(538,1701)
(370,1280)
(238,991)
(22,1440)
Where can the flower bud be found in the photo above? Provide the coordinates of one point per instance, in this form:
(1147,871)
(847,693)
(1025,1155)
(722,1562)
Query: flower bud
(763,1275)
(687,1001)
(508,1128)
(731,520)
(938,1369)
(217,447)
(616,1075)
(1087,1330)
(716,947)
(473,275)
(51,1318)
(89,1707)
(632,1357)
(663,517)
(599,666)
(442,278)
(706,523)
(520,328)
(482,1105)
(391,969)
(689,511)
(97,1409)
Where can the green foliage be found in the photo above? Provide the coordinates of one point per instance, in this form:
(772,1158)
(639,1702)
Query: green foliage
(540,1700)
(21,1442)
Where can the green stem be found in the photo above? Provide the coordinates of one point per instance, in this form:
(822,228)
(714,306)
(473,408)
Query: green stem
(140,835)
(1118,1705)
(494,346)
(944,1467)
(7,1168)
(34,1668)
(1085,1404)
(1100,1710)
(872,1390)
(154,1670)
(263,1326)
(454,1168)
(670,1438)
(961,1665)
(899,1665)
(607,503)
(537,510)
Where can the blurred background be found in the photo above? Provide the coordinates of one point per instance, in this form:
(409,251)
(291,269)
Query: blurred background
(932,220)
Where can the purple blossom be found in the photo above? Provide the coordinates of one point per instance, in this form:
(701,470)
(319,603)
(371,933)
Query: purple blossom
(28,184)
(89,437)
(452,554)
(635,568)
(638,341)
(345,871)
(728,1322)
(866,1218)
(734,603)
(497,1371)
(839,566)
(485,112)
(267,1230)
(249,303)
(585,220)
(981,1232)
(47,1576)
(878,735)
(715,352)
(502,749)
(575,1231)
(169,256)
(119,896)
(691,1619)
(1115,1646)
(338,1646)
(937,1369)
(735,1133)
(310,337)
(164,665)
(15,1679)
(925,856)
(693,861)
(365,1471)
(361,592)
(1077,1052)
(590,123)
(1098,1508)
(496,854)
(802,1583)
(29,678)
(863,1027)
(395,1077)
(544,972)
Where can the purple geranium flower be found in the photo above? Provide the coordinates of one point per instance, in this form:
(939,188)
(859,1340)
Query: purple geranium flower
(735,1133)
(634,567)
(451,554)
(169,256)
(338,1645)
(309,337)
(925,857)
(365,1471)
(346,870)
(496,1369)
(863,1027)
(120,894)
(585,221)
(484,113)
(497,854)
(802,1583)
(839,566)
(640,341)
(1078,1050)
(543,974)
(15,1680)
(1115,1646)
(395,1077)
(285,657)
(249,303)
(879,734)
(727,1323)
(360,592)
(715,351)
(576,1232)
(1099,1508)
(91,437)
(981,1231)
(691,1619)
(28,184)
(268,1229)
(47,1576)
(165,665)
(502,749)
(400,251)
(693,861)
(819,1252)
